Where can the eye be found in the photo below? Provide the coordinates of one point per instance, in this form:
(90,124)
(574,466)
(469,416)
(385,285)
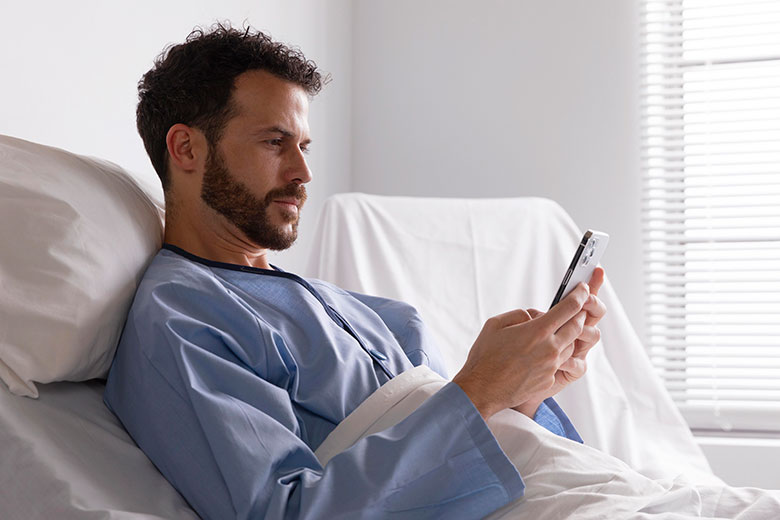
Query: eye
(305,148)
(275,142)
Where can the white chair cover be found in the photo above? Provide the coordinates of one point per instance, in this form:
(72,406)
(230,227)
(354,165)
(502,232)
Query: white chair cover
(461,261)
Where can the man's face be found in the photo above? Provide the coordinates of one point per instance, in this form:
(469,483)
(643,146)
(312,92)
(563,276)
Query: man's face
(255,174)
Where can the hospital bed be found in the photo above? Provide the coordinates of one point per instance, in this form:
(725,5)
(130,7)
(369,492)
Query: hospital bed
(78,232)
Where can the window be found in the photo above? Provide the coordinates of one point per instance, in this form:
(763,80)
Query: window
(711,207)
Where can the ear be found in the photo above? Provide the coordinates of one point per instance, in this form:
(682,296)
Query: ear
(187,148)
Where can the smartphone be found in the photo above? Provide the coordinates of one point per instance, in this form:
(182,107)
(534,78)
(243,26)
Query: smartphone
(585,260)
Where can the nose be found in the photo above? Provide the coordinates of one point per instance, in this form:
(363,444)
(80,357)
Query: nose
(298,169)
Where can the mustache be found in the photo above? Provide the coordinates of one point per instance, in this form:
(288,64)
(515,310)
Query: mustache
(291,190)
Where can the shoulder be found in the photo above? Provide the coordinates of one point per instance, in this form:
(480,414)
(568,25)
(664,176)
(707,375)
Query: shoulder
(170,275)
(170,268)
(175,290)
(179,304)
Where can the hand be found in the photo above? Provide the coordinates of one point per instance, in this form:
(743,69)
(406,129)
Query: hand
(576,365)
(517,356)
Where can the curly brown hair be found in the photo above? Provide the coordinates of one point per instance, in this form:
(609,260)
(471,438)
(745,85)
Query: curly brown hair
(192,83)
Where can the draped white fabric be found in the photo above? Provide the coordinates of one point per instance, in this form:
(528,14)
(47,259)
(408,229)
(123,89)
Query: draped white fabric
(460,261)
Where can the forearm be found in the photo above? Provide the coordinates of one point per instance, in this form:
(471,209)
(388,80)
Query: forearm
(442,457)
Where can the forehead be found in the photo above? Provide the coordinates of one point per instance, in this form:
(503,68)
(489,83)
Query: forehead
(261,98)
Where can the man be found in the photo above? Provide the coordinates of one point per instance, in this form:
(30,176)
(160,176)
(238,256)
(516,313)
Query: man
(231,372)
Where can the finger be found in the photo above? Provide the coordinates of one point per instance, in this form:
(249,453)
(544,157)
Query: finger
(589,336)
(575,367)
(567,352)
(595,309)
(596,280)
(565,310)
(535,313)
(510,318)
(571,329)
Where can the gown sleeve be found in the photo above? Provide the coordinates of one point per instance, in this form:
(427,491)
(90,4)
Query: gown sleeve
(405,323)
(229,440)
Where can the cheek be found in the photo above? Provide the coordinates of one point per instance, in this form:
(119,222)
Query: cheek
(256,169)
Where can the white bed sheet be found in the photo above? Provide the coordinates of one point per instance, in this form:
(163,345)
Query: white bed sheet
(65,456)
(564,479)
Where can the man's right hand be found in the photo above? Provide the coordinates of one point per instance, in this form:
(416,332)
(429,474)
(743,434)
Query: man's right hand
(516,356)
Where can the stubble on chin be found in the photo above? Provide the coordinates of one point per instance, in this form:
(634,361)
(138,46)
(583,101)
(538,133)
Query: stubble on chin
(247,212)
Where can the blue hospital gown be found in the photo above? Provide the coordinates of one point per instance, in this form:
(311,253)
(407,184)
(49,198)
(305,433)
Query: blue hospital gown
(229,377)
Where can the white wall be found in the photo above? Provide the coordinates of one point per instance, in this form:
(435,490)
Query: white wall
(500,98)
(70,71)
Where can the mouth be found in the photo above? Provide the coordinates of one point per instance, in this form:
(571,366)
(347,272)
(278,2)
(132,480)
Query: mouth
(290,204)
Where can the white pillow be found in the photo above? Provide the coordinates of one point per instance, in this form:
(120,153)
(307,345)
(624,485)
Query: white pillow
(76,234)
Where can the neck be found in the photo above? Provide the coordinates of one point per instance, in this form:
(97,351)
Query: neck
(213,239)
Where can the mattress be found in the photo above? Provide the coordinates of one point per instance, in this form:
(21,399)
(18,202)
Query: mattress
(66,456)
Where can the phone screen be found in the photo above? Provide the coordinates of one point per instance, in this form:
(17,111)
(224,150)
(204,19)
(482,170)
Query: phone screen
(585,260)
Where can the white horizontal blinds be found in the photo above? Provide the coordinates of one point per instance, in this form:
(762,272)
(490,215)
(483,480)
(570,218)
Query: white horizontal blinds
(711,206)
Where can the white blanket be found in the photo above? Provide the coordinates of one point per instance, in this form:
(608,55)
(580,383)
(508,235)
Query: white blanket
(564,479)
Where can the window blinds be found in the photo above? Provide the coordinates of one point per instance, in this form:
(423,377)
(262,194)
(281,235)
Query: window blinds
(711,207)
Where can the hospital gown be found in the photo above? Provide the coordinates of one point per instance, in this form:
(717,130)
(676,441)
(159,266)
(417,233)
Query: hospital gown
(230,377)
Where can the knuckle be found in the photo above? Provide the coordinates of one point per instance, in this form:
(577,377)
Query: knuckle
(579,325)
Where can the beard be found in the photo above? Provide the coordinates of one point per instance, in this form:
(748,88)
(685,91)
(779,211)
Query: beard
(232,199)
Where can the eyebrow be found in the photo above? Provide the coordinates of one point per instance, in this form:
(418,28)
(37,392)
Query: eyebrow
(280,130)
